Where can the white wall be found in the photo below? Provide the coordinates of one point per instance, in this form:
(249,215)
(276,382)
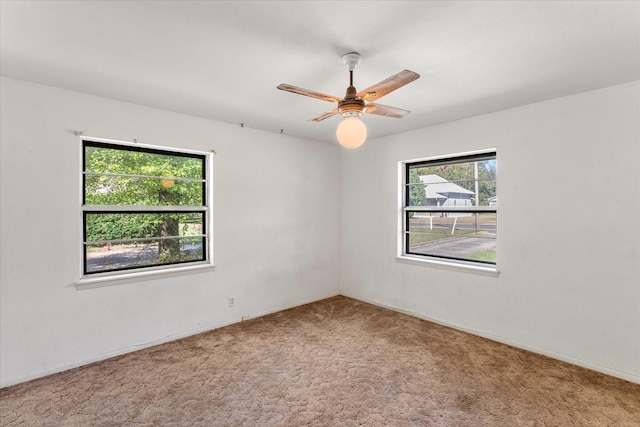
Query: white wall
(276,231)
(285,209)
(568,229)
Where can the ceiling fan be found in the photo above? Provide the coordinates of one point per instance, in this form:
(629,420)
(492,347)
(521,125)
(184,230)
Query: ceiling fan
(352,133)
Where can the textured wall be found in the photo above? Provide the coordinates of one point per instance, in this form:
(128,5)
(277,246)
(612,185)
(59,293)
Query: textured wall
(568,229)
(275,216)
(288,211)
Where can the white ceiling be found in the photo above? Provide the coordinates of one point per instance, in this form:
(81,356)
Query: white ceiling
(223,60)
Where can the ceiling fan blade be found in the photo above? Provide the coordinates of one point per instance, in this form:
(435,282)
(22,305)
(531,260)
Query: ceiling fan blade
(324,116)
(307,92)
(390,84)
(386,110)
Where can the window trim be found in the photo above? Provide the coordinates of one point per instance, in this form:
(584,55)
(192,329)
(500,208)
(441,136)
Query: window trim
(151,272)
(402,211)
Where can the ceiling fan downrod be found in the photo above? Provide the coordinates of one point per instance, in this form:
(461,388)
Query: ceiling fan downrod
(351,105)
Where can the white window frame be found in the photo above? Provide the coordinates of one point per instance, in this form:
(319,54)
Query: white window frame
(149,272)
(432,261)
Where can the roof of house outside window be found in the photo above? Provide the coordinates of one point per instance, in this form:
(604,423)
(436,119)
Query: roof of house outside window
(439,188)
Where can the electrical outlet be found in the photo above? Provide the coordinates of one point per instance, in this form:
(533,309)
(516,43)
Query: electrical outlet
(232,301)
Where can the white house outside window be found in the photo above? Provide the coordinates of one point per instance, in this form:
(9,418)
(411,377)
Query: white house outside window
(450,209)
(143,207)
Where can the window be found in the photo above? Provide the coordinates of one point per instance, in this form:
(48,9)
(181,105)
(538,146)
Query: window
(450,209)
(143,207)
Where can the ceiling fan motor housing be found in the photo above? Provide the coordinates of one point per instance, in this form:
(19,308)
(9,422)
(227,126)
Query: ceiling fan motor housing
(351,105)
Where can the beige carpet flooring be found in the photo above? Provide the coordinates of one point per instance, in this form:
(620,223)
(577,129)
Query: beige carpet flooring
(337,362)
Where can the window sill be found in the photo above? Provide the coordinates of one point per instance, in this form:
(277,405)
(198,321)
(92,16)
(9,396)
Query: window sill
(90,282)
(449,265)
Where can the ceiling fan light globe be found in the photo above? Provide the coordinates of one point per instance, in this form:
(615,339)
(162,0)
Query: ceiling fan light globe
(351,132)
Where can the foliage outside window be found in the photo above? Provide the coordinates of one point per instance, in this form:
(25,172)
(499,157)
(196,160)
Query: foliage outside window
(450,208)
(143,207)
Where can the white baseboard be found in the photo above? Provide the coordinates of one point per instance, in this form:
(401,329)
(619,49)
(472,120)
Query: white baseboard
(628,376)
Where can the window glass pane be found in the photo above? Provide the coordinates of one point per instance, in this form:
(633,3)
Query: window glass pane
(130,191)
(117,227)
(466,236)
(102,258)
(487,182)
(128,161)
(452,184)
(133,240)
